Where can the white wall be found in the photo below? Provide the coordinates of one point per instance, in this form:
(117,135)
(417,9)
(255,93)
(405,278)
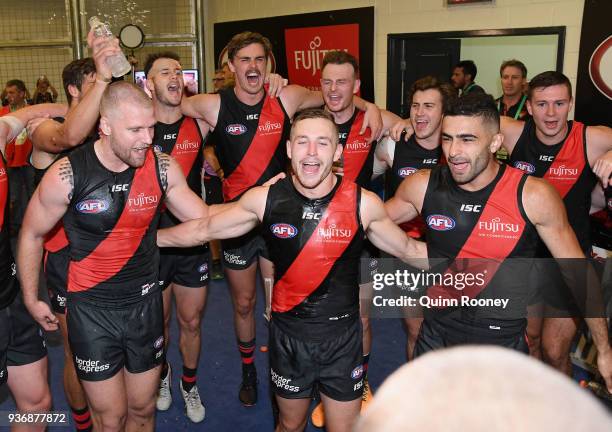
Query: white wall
(416,16)
(538,53)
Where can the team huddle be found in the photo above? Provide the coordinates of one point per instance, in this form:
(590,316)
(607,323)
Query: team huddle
(118,226)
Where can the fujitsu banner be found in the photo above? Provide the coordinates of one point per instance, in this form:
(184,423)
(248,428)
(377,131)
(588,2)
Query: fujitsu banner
(299,43)
(594,85)
(306,47)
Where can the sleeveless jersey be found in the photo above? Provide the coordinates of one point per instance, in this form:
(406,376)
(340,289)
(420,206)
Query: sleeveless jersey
(250,142)
(183,141)
(487,227)
(357,153)
(8,291)
(315,245)
(566,167)
(408,158)
(111,223)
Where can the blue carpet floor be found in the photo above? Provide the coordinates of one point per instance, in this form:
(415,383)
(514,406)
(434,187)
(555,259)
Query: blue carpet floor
(219,371)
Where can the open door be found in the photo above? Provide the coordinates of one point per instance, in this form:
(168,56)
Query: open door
(411,59)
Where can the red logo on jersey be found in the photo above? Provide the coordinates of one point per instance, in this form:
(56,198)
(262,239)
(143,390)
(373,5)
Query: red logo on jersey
(284,230)
(440,222)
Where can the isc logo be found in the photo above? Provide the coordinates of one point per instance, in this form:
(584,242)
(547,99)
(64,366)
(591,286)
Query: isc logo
(524,166)
(120,187)
(440,222)
(471,208)
(252,116)
(169,136)
(430,161)
(92,206)
(546,158)
(406,171)
(283,230)
(236,129)
(311,216)
(342,135)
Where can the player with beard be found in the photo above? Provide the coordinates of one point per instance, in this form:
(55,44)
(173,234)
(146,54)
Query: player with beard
(456,202)
(429,99)
(315,337)
(250,126)
(183,273)
(571,156)
(109,194)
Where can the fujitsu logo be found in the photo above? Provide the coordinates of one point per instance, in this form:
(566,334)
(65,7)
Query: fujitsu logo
(268,127)
(312,58)
(496,225)
(142,200)
(357,145)
(188,145)
(334,232)
(562,171)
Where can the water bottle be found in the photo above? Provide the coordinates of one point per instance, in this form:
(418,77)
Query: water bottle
(118,63)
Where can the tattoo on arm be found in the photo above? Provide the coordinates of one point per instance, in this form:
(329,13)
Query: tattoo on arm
(163,161)
(66,176)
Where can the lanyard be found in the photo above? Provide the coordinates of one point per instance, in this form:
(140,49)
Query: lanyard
(468,88)
(517,114)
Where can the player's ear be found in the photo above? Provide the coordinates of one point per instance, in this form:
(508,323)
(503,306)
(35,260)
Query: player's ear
(496,142)
(338,152)
(105,126)
(289,148)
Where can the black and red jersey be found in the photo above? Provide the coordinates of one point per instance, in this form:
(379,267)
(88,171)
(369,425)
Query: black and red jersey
(409,157)
(566,167)
(250,142)
(111,224)
(357,152)
(483,232)
(8,291)
(183,141)
(315,245)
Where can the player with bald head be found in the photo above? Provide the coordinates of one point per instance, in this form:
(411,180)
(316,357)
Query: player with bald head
(109,194)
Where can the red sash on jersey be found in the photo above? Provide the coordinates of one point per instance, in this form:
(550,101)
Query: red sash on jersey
(569,163)
(315,260)
(188,145)
(4,190)
(260,152)
(491,240)
(56,239)
(111,255)
(356,149)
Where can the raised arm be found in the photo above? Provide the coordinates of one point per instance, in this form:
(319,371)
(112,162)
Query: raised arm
(202,106)
(387,236)
(383,156)
(234,220)
(46,207)
(407,202)
(546,211)
(512,130)
(599,152)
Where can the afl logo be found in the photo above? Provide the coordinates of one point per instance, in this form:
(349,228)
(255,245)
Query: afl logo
(159,342)
(284,230)
(357,372)
(440,222)
(600,67)
(524,166)
(157,148)
(236,129)
(203,268)
(92,206)
(406,171)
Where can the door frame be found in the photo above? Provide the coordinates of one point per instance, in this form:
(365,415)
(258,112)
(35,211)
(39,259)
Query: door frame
(395,38)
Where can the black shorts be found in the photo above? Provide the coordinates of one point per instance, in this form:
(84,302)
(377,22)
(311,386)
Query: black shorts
(21,338)
(103,341)
(240,252)
(56,273)
(333,366)
(214,191)
(184,266)
(434,335)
